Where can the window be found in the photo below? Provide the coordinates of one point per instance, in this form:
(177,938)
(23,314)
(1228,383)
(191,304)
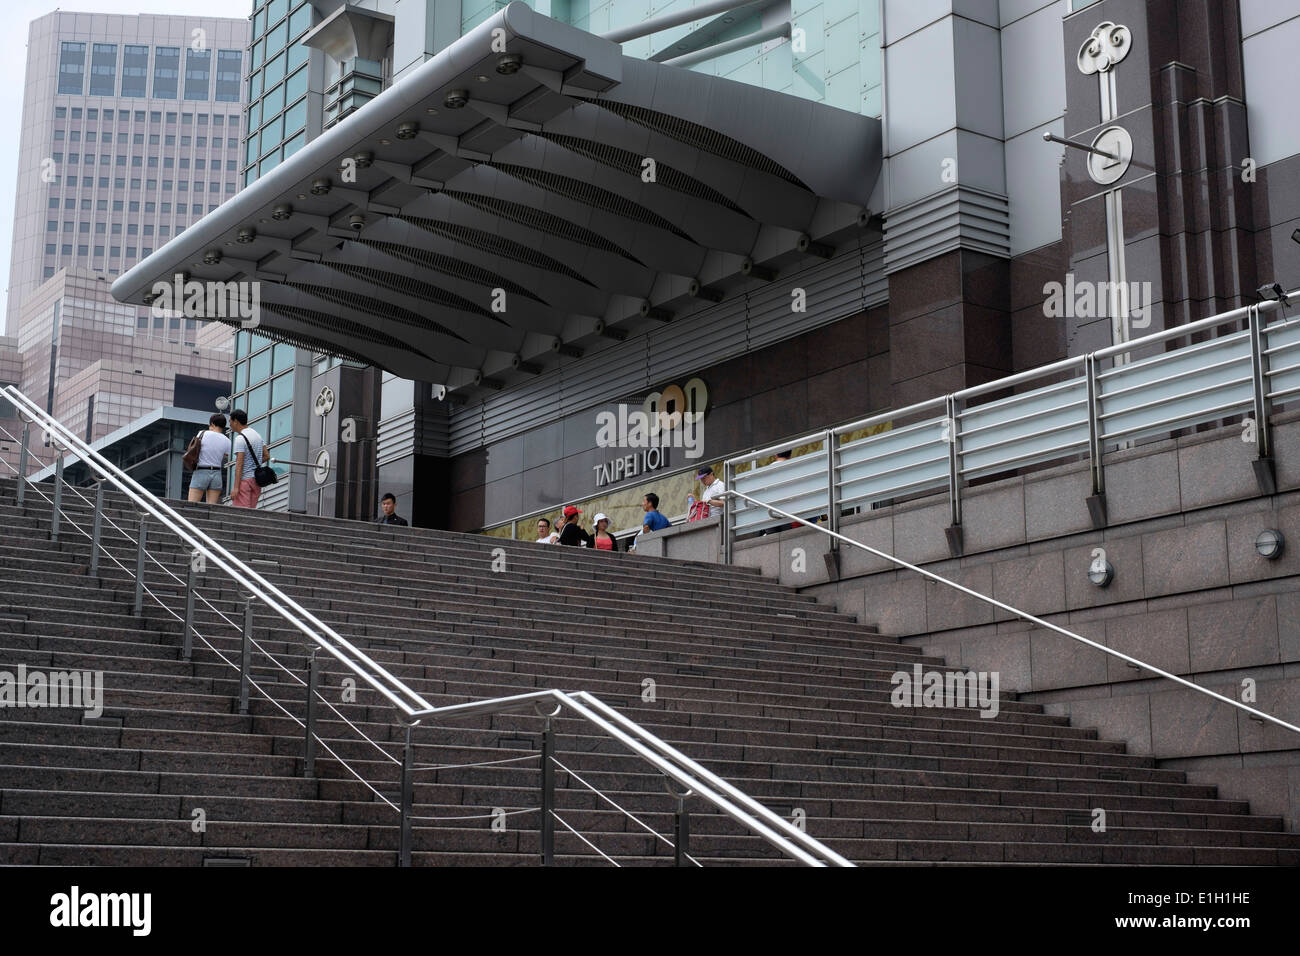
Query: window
(51,225)
(166,70)
(58,134)
(50,248)
(137,139)
(171,117)
(76,112)
(230,68)
(155,116)
(72,70)
(60,112)
(93,114)
(135,72)
(54,202)
(139,116)
(198,67)
(103,69)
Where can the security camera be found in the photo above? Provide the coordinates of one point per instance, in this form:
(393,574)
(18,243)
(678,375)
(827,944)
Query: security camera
(357,221)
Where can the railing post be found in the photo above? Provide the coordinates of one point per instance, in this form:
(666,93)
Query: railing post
(832,487)
(1265,477)
(22,461)
(548,794)
(1096,466)
(313,678)
(187,642)
(97,529)
(404,846)
(728,514)
(245,654)
(58,497)
(952,429)
(682,835)
(140,545)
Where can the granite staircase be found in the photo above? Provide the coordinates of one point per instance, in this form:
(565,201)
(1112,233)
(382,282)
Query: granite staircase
(779,695)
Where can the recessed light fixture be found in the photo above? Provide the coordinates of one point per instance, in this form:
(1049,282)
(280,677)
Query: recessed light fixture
(302,195)
(1270,544)
(482,78)
(432,111)
(385,142)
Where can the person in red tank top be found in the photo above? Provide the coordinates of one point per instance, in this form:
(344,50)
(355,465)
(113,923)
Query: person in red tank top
(605,541)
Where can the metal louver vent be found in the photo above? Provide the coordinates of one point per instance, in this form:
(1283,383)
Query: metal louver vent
(310,343)
(498,245)
(533,219)
(626,161)
(602,199)
(701,137)
(404,284)
(379,307)
(447,265)
(346,327)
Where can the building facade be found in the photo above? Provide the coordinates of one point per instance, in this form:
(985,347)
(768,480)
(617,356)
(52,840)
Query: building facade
(130,134)
(903,243)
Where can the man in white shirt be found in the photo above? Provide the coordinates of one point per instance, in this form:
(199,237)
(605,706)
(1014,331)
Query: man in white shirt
(544,533)
(214,449)
(712,486)
(250,451)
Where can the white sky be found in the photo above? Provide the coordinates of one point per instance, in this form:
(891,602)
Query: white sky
(13,72)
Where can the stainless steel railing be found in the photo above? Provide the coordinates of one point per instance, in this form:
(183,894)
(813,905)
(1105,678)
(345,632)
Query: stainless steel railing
(1080,406)
(1000,605)
(412,708)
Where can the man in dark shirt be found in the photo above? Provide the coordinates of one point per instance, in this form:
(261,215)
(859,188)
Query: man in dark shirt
(388,509)
(573,533)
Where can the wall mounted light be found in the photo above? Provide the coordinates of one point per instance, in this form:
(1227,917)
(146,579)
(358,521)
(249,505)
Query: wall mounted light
(1101,572)
(320,187)
(456,99)
(282,212)
(407,130)
(1270,544)
(1273,291)
(510,63)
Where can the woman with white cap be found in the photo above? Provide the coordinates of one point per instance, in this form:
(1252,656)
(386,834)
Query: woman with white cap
(605,540)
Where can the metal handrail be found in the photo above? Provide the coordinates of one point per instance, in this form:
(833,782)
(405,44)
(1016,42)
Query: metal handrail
(1107,393)
(1022,615)
(321,634)
(671,762)
(668,760)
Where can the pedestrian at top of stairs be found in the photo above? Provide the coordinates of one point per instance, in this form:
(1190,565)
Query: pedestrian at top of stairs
(544,533)
(388,511)
(246,490)
(573,533)
(214,449)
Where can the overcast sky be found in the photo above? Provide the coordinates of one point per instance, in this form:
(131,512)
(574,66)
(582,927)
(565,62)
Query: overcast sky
(13,71)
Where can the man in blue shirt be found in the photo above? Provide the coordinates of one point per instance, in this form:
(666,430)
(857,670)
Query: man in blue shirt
(654,521)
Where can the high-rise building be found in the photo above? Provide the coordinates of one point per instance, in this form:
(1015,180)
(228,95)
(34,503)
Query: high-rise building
(130,135)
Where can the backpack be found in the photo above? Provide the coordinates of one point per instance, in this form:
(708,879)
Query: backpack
(191,459)
(699,511)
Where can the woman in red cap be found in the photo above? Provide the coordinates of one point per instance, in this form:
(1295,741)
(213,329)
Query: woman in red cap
(573,533)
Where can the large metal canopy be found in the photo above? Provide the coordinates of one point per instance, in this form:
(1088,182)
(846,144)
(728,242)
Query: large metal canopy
(512,167)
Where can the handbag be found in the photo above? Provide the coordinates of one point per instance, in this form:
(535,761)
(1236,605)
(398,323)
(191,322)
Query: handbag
(191,459)
(262,474)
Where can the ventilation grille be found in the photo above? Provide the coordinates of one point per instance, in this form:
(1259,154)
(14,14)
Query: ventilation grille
(525,216)
(344,327)
(310,343)
(398,283)
(602,199)
(365,303)
(701,137)
(447,265)
(626,161)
